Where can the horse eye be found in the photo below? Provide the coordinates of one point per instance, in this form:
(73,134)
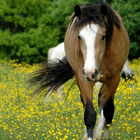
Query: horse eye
(103,37)
(79,37)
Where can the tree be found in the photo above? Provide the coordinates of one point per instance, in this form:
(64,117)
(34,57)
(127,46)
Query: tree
(27,29)
(130,12)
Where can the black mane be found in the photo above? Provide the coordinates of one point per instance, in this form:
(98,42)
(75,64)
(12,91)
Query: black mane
(91,13)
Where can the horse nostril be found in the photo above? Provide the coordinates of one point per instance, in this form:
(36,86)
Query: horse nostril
(83,72)
(95,74)
(88,79)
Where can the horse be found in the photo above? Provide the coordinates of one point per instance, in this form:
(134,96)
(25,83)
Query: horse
(97,47)
(127,73)
(57,52)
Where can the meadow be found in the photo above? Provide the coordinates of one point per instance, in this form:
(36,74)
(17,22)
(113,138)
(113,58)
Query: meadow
(23,117)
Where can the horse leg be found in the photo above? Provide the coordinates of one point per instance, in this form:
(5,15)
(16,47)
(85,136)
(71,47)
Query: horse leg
(106,105)
(86,94)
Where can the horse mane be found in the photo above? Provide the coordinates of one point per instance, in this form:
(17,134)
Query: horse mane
(91,13)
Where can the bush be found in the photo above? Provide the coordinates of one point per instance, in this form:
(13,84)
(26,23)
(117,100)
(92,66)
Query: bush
(130,12)
(26,29)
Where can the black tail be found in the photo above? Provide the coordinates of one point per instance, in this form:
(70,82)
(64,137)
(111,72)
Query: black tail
(51,75)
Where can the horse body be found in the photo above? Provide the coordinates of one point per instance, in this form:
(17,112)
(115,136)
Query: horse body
(57,52)
(105,66)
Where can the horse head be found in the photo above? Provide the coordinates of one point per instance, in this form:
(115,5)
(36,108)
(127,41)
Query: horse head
(92,40)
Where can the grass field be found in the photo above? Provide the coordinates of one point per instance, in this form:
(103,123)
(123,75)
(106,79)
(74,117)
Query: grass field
(25,118)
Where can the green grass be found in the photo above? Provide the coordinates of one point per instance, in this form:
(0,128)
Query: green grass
(26,118)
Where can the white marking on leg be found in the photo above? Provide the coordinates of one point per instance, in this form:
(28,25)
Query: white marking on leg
(100,126)
(85,135)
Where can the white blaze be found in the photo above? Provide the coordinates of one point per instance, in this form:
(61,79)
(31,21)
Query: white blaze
(89,33)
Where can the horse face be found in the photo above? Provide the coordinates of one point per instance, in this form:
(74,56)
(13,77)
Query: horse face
(92,45)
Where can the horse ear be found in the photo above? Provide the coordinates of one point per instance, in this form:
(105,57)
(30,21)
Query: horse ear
(77,11)
(103,10)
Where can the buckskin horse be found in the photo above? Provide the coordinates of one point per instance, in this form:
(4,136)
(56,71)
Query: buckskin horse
(96,47)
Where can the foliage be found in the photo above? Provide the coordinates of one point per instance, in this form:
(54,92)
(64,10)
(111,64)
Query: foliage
(28,28)
(130,12)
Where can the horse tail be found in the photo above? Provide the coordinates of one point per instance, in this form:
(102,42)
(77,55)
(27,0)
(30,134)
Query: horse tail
(51,75)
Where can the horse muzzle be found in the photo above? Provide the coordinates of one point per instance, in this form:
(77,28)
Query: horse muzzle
(90,75)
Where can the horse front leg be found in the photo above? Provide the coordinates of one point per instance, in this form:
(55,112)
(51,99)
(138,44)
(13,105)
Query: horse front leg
(107,108)
(86,93)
